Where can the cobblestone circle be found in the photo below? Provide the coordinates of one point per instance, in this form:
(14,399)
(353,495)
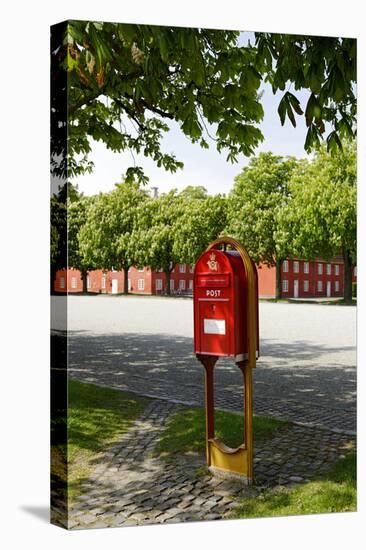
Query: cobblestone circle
(130,487)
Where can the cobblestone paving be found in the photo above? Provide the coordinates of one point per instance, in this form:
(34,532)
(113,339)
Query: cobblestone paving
(299,388)
(130,487)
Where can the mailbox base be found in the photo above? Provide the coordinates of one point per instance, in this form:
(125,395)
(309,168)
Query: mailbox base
(225,460)
(230,476)
(219,456)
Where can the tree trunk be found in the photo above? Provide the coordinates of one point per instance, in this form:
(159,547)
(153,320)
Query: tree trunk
(167,279)
(278,278)
(84,278)
(125,278)
(347,293)
(52,280)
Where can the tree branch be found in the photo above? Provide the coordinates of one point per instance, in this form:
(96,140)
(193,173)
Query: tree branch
(156,110)
(130,113)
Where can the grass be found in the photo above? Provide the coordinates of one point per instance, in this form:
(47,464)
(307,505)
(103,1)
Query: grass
(97,417)
(186,431)
(336,492)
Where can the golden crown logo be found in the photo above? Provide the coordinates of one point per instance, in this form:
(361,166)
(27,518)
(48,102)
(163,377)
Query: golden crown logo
(212,263)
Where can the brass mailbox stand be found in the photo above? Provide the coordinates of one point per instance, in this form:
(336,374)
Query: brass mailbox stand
(219,456)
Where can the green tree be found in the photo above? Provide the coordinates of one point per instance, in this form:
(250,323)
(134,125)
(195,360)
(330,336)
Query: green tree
(254,204)
(66,193)
(153,238)
(124,81)
(194,192)
(105,238)
(320,219)
(201,221)
(77,213)
(58,238)
(176,228)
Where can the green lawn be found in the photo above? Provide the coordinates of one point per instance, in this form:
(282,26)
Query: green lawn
(336,492)
(97,417)
(186,431)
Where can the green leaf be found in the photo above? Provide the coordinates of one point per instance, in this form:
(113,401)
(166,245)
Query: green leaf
(164,47)
(282,108)
(290,113)
(309,139)
(295,103)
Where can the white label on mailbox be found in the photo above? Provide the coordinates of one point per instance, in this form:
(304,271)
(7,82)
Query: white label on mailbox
(214,326)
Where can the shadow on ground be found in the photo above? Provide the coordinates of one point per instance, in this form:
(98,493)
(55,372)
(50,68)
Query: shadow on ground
(287,379)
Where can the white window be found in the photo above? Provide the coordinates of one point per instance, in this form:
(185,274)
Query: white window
(73,282)
(191,268)
(329,269)
(129,285)
(88,284)
(285,266)
(355,271)
(141,284)
(159,284)
(191,284)
(62,282)
(306,267)
(182,268)
(336,269)
(141,270)
(182,284)
(171,284)
(320,269)
(159,270)
(306,286)
(296,267)
(285,285)
(336,286)
(320,286)
(103,281)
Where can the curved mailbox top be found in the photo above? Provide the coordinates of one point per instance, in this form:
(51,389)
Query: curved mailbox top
(221,305)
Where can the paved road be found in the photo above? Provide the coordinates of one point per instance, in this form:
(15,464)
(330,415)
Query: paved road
(307,369)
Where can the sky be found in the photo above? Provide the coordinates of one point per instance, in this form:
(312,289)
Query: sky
(204,167)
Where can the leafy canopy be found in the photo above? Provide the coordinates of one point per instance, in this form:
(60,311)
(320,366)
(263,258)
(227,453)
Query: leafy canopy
(320,219)
(255,202)
(105,238)
(125,81)
(77,215)
(176,227)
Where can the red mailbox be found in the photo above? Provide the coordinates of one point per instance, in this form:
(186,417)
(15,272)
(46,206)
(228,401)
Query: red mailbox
(226,324)
(220,305)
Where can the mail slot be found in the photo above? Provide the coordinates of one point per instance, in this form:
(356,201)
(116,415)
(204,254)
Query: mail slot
(220,305)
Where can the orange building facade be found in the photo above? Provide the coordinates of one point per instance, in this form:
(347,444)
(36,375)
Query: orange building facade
(299,279)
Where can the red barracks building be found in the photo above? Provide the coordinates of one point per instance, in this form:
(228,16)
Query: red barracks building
(303,279)
(299,279)
(140,281)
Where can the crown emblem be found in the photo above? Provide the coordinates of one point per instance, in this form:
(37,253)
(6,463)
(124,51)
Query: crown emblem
(212,263)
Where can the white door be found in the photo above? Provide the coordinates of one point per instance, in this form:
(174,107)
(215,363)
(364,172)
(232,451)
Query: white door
(296,288)
(114,286)
(329,288)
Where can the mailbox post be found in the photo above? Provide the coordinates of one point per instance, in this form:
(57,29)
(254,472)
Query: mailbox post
(226,325)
